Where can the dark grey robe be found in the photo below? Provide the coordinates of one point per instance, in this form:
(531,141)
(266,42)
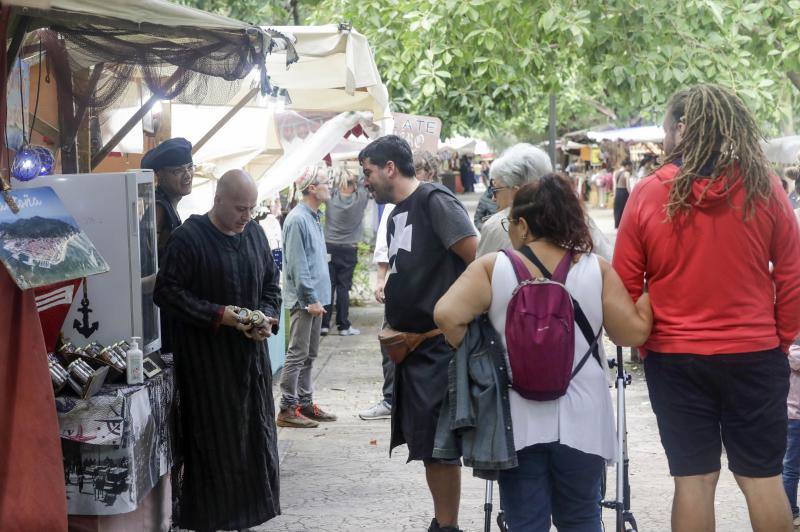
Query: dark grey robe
(227,417)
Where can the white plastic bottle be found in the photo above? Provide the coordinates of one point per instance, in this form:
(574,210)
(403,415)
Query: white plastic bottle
(135,359)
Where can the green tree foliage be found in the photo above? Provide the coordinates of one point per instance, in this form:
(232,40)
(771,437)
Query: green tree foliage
(490,64)
(263,12)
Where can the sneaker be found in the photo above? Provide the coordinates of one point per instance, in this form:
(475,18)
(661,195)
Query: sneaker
(796,521)
(324,331)
(314,412)
(436,527)
(350,331)
(293,418)
(381,410)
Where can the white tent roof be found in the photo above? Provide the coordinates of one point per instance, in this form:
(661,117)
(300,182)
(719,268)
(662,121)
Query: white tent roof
(783,150)
(630,134)
(336,71)
(465,146)
(563,145)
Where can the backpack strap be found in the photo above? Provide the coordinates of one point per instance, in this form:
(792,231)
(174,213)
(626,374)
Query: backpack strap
(580,318)
(561,271)
(523,274)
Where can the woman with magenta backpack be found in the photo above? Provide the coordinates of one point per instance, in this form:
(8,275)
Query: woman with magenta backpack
(562,444)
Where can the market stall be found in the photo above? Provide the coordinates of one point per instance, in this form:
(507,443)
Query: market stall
(327,103)
(451,151)
(93,51)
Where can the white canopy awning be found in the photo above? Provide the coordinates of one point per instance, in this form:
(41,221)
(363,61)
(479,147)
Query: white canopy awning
(336,71)
(465,146)
(783,150)
(629,134)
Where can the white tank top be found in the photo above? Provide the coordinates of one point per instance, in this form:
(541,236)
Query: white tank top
(583,418)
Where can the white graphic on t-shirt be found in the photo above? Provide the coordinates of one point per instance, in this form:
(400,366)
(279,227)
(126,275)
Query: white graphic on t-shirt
(401,239)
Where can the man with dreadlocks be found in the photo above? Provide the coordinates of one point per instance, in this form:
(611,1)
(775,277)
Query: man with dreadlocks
(701,233)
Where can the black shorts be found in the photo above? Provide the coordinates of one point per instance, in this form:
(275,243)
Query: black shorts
(704,401)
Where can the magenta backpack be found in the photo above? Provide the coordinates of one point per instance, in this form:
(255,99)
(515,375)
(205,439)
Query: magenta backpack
(540,330)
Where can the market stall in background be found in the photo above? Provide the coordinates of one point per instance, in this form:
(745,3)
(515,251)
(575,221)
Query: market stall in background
(468,156)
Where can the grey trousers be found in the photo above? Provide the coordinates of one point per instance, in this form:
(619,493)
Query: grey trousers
(388,373)
(296,384)
(388,377)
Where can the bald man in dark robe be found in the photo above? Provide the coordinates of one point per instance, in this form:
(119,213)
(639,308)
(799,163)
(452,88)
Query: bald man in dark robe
(213,263)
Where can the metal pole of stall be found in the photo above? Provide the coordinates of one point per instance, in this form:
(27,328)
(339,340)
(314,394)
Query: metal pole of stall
(487,507)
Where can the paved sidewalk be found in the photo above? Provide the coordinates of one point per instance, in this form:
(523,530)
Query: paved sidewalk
(339,477)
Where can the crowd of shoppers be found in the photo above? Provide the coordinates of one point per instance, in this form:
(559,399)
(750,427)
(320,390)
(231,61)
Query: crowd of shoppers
(703,278)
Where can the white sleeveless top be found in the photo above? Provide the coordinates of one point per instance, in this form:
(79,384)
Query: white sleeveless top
(583,418)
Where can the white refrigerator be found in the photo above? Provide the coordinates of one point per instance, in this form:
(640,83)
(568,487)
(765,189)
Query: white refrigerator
(117,212)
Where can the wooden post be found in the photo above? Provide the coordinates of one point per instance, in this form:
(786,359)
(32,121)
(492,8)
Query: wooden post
(224,120)
(84,85)
(164,127)
(10,56)
(45,129)
(20,28)
(111,144)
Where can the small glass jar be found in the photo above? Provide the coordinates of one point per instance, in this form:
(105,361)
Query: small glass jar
(58,374)
(110,356)
(80,371)
(258,319)
(68,351)
(93,350)
(121,349)
(243,314)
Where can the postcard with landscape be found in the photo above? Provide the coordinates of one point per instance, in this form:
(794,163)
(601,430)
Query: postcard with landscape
(42,244)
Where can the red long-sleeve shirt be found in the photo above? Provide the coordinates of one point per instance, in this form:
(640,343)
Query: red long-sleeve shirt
(708,272)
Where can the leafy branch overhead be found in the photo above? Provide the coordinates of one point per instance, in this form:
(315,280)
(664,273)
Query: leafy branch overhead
(490,64)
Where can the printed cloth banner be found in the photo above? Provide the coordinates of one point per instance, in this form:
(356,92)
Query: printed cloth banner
(116,445)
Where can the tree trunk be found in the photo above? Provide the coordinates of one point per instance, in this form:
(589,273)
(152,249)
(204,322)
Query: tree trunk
(294,9)
(794,77)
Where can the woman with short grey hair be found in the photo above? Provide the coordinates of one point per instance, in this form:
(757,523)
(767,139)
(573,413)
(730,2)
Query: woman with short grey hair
(519,165)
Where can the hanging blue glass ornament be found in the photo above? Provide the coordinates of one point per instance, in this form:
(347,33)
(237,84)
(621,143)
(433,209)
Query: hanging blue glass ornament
(27,164)
(46,160)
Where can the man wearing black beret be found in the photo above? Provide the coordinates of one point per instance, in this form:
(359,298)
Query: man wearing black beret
(172,163)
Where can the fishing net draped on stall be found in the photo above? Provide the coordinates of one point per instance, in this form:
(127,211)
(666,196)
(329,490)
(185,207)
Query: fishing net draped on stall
(185,64)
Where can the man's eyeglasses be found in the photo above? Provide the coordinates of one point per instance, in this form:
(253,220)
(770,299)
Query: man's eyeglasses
(180,170)
(493,190)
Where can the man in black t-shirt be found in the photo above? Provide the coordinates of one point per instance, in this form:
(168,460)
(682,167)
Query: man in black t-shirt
(431,240)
